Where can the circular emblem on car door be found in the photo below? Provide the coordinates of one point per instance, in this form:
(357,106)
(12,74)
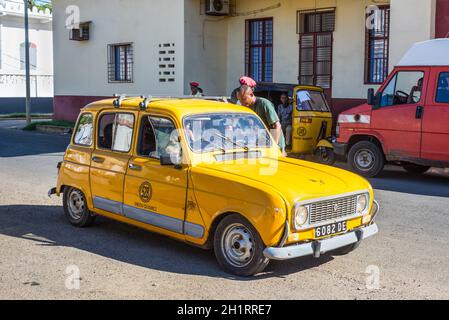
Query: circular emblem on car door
(145,192)
(302,132)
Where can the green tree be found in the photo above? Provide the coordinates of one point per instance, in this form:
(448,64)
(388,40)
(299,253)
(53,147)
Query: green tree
(41,5)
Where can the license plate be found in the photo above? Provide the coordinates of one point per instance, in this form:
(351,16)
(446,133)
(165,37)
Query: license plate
(331,229)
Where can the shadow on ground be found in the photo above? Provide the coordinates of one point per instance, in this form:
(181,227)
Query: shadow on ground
(429,184)
(46,226)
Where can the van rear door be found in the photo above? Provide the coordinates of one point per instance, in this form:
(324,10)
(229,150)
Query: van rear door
(398,116)
(435,128)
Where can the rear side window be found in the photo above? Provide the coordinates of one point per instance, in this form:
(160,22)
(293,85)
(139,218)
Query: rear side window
(443,88)
(84,130)
(115,131)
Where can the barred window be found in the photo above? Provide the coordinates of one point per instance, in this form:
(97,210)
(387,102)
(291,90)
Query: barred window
(377,46)
(259,49)
(120,64)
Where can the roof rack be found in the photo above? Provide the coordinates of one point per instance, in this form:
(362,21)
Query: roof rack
(146,100)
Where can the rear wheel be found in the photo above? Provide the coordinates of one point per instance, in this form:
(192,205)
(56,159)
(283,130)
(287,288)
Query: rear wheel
(366,158)
(238,247)
(75,208)
(415,168)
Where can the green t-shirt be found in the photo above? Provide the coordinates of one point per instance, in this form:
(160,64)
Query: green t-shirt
(266,111)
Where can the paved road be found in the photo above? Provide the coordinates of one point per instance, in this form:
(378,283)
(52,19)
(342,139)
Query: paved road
(119,261)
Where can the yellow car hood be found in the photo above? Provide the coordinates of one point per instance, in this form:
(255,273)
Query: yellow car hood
(295,179)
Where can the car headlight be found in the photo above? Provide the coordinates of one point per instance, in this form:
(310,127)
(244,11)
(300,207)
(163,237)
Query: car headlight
(300,216)
(362,203)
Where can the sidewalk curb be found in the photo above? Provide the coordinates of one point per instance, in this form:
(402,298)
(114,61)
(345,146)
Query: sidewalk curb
(53,129)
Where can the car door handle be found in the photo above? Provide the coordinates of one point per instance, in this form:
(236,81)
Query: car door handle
(419,112)
(98,159)
(134,167)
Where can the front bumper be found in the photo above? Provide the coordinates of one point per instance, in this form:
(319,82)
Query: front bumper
(340,148)
(318,247)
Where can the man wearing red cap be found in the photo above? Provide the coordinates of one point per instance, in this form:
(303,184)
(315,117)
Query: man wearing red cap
(195,89)
(244,81)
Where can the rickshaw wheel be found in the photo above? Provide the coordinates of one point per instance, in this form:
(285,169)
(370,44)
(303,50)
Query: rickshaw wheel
(325,156)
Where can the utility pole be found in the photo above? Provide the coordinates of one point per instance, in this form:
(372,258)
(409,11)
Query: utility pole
(27,66)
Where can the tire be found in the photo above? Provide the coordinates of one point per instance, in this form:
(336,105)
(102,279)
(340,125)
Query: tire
(345,250)
(325,156)
(243,258)
(415,168)
(75,208)
(366,159)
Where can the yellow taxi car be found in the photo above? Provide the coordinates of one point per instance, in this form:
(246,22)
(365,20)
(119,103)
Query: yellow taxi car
(210,174)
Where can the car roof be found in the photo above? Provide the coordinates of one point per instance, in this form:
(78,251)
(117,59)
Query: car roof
(427,53)
(177,106)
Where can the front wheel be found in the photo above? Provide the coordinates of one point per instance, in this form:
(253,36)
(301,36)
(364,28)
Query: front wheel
(325,156)
(366,158)
(75,208)
(238,247)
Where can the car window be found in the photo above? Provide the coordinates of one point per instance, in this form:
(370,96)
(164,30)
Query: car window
(442,95)
(404,88)
(225,131)
(84,130)
(158,137)
(115,131)
(311,101)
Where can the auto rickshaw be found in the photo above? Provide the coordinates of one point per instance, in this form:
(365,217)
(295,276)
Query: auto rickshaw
(312,119)
(312,124)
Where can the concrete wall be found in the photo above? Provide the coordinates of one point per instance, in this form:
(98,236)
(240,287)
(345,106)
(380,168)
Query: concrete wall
(206,40)
(411,21)
(12,77)
(81,67)
(442,19)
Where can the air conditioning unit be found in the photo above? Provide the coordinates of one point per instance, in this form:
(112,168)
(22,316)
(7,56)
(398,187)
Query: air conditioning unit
(217,7)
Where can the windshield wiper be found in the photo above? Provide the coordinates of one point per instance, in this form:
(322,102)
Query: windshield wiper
(244,147)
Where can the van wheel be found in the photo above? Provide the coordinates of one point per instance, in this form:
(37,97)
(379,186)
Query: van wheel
(75,208)
(415,168)
(366,159)
(238,247)
(325,156)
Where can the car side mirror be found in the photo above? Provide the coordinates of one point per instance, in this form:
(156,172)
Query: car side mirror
(371,100)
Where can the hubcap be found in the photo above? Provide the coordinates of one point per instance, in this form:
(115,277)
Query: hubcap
(238,245)
(76,204)
(365,159)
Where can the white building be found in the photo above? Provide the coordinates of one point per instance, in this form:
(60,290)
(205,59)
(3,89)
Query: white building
(158,47)
(12,58)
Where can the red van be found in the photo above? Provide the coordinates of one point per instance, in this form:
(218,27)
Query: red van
(407,121)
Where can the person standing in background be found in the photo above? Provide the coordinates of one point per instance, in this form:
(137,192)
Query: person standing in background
(195,89)
(285,113)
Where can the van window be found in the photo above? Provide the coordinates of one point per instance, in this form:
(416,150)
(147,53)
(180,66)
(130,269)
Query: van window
(84,130)
(443,88)
(404,88)
(158,137)
(115,131)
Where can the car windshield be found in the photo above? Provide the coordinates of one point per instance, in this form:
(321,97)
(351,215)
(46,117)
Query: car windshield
(225,131)
(311,101)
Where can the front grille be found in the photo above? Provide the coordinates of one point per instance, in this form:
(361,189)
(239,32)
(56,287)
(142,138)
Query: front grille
(332,209)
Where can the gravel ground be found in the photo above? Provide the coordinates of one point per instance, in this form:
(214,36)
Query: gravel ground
(39,249)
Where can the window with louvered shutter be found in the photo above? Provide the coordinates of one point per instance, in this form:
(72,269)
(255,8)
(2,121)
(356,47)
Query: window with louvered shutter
(315,47)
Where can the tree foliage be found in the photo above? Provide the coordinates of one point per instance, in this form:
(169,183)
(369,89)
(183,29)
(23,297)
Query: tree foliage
(41,5)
